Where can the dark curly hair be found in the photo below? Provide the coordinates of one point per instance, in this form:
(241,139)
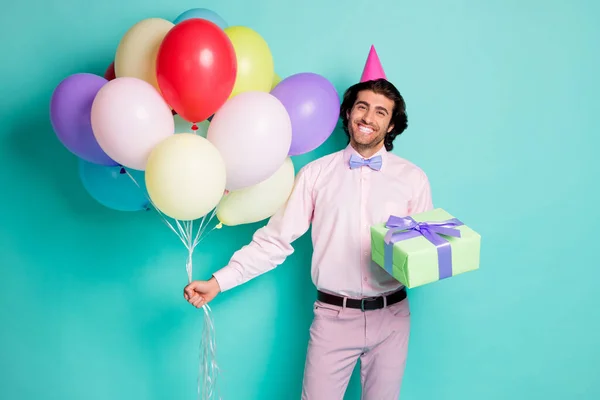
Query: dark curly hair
(384,87)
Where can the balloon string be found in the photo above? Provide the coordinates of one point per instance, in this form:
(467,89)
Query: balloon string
(163,217)
(207,376)
(208,368)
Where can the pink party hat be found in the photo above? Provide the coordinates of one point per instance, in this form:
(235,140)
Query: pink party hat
(373,68)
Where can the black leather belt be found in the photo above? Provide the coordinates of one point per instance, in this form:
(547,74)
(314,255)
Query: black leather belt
(370,303)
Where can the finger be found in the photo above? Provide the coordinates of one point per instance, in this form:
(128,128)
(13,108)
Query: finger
(194,299)
(198,302)
(189,291)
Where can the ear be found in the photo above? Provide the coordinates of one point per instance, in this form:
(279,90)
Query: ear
(390,128)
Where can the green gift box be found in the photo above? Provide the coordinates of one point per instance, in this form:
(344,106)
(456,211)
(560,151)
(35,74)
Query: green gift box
(425,247)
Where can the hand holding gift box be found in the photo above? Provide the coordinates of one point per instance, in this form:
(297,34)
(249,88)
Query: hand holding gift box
(425,247)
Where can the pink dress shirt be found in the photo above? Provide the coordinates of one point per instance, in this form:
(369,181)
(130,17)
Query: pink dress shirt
(342,204)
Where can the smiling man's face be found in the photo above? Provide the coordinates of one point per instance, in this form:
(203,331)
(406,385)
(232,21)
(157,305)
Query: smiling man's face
(369,121)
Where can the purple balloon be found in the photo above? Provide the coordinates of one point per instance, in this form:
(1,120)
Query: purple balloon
(314,108)
(70,115)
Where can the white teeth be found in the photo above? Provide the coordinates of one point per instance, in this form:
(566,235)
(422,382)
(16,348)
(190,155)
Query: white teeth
(365,129)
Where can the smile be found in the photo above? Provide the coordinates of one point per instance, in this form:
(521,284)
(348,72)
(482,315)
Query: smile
(365,129)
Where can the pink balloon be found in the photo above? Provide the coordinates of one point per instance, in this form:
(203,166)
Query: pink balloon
(130,117)
(253,132)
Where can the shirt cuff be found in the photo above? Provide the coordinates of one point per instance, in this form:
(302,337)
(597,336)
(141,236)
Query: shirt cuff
(226,278)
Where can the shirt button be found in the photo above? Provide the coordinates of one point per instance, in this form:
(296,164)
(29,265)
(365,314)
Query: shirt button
(365,279)
(366,253)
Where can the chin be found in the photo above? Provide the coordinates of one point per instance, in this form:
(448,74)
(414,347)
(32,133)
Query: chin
(373,142)
(365,139)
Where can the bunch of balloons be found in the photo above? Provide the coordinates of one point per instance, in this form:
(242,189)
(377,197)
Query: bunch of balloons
(194,111)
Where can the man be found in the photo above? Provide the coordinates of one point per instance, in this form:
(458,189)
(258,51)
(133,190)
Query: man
(361,311)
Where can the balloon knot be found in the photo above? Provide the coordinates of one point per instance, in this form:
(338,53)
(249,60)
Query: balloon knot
(194,127)
(122,172)
(219,225)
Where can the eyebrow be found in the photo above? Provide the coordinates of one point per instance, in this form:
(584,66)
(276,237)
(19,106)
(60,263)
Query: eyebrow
(368,105)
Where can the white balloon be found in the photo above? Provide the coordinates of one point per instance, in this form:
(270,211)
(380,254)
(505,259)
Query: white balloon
(129,117)
(253,133)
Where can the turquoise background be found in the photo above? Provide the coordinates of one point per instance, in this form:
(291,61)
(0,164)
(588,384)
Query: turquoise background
(503,111)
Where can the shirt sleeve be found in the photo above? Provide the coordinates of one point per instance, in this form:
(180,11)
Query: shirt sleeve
(272,244)
(422,200)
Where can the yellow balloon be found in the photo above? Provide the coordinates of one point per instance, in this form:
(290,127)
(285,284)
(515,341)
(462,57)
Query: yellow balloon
(254,60)
(258,202)
(185,176)
(137,50)
(276,80)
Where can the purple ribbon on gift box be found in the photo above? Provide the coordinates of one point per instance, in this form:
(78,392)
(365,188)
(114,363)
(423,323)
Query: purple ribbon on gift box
(404,228)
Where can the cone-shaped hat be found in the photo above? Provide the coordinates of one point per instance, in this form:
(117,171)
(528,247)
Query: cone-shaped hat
(373,68)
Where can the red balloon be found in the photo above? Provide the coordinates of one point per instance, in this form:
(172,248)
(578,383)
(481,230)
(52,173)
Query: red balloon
(196,68)
(109,74)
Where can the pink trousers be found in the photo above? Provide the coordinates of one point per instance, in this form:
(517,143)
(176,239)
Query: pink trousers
(340,336)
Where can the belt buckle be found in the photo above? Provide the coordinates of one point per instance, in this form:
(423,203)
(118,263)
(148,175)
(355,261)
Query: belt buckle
(362,302)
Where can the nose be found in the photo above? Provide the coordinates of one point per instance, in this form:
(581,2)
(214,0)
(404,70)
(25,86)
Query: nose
(368,117)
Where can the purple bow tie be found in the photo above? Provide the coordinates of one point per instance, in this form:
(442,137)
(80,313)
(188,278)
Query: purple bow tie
(374,163)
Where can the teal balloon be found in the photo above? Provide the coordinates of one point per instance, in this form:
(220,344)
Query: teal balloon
(202,13)
(112,187)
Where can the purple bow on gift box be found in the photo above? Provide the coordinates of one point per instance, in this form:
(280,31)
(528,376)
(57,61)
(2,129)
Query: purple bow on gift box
(403,228)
